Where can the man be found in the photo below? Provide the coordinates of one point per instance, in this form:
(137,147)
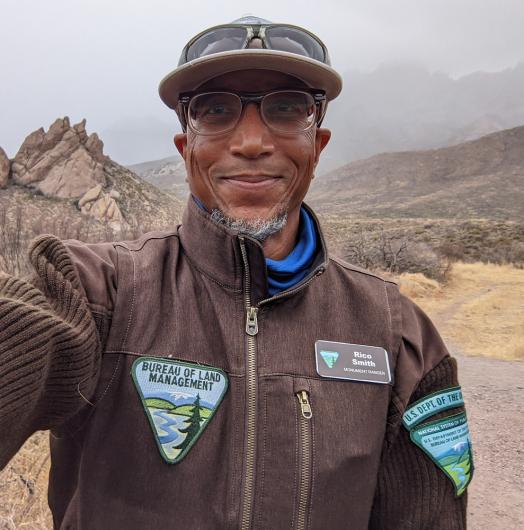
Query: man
(229,374)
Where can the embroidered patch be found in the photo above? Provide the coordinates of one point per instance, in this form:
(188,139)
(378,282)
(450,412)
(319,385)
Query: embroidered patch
(429,405)
(447,442)
(180,399)
(330,357)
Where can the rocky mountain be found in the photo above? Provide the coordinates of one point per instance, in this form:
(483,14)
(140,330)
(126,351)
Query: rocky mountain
(64,173)
(483,178)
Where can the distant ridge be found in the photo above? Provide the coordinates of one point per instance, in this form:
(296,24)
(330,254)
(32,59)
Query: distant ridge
(168,174)
(483,178)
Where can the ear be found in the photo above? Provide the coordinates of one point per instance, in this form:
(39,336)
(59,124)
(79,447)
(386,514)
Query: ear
(321,140)
(180,140)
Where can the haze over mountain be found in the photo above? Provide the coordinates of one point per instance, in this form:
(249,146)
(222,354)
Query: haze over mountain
(404,107)
(397,107)
(483,178)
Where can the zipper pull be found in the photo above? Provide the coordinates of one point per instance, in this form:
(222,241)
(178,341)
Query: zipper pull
(305,405)
(251,321)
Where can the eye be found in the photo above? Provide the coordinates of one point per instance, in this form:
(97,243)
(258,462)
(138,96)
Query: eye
(218,110)
(284,107)
(288,106)
(214,106)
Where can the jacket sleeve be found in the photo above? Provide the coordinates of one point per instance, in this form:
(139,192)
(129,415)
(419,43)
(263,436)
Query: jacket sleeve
(50,345)
(412,492)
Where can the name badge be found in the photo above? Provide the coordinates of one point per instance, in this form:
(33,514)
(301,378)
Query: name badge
(354,362)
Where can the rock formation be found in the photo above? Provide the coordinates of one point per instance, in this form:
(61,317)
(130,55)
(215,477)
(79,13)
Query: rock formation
(63,162)
(80,184)
(103,207)
(5,164)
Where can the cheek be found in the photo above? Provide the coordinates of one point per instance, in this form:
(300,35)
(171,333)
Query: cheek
(191,159)
(305,153)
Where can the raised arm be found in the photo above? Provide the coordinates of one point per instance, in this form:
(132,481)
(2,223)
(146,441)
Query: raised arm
(50,345)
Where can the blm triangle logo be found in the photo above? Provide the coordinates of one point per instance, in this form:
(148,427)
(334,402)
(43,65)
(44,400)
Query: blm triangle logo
(179,399)
(330,357)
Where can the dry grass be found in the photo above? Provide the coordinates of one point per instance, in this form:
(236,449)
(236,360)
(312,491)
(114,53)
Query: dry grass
(23,487)
(479,311)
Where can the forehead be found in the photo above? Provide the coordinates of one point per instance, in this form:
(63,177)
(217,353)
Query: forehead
(253,81)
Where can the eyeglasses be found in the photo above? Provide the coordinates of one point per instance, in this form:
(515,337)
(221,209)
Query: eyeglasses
(282,37)
(283,111)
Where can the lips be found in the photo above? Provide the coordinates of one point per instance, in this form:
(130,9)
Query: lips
(251,181)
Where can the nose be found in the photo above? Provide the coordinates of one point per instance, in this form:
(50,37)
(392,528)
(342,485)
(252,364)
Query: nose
(251,137)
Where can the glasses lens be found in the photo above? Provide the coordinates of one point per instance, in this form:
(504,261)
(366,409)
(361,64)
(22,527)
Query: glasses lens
(217,40)
(214,112)
(293,40)
(289,111)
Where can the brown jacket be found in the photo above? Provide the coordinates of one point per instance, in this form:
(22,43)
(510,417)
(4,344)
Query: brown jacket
(69,337)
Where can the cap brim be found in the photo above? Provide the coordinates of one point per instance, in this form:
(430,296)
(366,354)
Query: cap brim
(191,75)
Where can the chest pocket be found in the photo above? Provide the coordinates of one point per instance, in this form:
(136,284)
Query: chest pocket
(320,443)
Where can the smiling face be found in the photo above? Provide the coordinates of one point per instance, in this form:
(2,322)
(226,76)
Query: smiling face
(252,173)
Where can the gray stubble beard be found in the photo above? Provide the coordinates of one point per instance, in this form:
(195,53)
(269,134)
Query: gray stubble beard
(259,229)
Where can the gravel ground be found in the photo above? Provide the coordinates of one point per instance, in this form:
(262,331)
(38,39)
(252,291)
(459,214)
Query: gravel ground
(494,395)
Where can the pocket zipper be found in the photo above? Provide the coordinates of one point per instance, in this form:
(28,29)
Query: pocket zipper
(305,455)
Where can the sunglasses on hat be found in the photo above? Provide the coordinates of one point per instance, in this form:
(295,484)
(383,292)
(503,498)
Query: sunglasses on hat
(252,32)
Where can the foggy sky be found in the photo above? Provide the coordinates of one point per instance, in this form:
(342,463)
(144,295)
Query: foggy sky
(102,60)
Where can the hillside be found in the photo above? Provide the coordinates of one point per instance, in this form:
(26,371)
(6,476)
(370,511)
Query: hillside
(167,174)
(61,182)
(483,178)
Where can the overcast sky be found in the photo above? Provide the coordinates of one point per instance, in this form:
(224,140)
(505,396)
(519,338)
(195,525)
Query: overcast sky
(103,59)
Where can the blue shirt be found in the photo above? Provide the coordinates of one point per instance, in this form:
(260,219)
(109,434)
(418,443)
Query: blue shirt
(285,273)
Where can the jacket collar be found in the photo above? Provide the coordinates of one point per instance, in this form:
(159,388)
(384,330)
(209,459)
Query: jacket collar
(215,251)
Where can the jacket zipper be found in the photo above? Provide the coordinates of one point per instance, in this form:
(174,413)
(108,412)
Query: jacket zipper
(305,455)
(251,395)
(251,389)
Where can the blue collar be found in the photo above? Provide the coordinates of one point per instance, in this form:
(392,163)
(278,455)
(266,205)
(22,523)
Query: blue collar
(285,273)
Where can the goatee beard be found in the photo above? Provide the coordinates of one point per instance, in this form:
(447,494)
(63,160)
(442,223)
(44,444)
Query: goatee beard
(259,229)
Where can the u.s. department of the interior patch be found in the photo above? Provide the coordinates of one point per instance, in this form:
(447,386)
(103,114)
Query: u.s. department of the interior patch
(179,398)
(447,442)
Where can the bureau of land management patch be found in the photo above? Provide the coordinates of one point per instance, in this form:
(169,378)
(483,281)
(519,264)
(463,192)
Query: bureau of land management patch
(179,399)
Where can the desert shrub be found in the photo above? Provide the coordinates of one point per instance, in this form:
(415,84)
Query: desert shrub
(17,232)
(420,257)
(515,254)
(395,254)
(12,243)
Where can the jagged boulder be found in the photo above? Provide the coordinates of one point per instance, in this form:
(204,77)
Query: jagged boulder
(63,162)
(5,164)
(102,207)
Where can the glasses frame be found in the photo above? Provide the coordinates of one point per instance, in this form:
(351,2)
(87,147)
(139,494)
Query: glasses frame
(319,98)
(253,31)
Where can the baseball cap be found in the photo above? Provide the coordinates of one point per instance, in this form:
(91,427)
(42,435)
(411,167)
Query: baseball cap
(251,43)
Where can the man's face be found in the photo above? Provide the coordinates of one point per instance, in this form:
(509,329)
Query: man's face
(251,173)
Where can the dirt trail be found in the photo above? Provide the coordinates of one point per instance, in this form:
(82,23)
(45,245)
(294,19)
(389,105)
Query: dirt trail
(494,395)
(480,312)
